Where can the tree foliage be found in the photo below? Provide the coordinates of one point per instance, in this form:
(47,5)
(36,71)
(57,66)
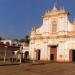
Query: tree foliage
(26,40)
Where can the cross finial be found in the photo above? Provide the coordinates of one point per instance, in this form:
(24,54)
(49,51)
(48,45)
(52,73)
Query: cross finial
(54,2)
(54,5)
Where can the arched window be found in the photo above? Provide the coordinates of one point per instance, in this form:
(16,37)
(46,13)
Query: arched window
(26,55)
(54,26)
(7,43)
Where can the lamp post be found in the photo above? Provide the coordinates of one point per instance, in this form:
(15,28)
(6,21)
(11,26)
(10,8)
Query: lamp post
(20,54)
(5,53)
(20,57)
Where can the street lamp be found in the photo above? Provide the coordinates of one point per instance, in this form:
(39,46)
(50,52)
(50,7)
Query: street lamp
(5,53)
(20,54)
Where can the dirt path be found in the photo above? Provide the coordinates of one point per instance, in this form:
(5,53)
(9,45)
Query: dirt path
(40,69)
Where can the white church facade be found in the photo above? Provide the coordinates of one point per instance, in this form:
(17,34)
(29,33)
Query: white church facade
(54,40)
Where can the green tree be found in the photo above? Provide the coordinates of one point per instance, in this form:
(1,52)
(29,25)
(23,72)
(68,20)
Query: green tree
(17,40)
(0,38)
(26,40)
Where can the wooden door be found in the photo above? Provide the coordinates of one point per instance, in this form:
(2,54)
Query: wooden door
(38,54)
(70,55)
(53,53)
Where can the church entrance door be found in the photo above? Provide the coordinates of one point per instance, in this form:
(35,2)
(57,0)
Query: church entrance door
(72,55)
(53,53)
(37,54)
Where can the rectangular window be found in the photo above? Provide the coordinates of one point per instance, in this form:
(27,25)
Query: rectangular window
(54,26)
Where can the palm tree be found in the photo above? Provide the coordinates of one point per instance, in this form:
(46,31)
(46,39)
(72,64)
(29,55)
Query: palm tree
(0,38)
(17,40)
(26,40)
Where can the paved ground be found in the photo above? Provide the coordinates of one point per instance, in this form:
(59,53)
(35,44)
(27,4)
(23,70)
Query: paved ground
(38,69)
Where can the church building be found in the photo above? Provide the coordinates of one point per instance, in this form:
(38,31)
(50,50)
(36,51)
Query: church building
(54,40)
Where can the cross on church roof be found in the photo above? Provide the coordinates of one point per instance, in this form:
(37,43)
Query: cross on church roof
(54,7)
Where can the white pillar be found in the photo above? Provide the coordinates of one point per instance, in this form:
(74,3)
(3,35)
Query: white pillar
(46,51)
(32,50)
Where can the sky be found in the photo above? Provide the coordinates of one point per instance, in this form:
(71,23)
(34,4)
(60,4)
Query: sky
(18,17)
